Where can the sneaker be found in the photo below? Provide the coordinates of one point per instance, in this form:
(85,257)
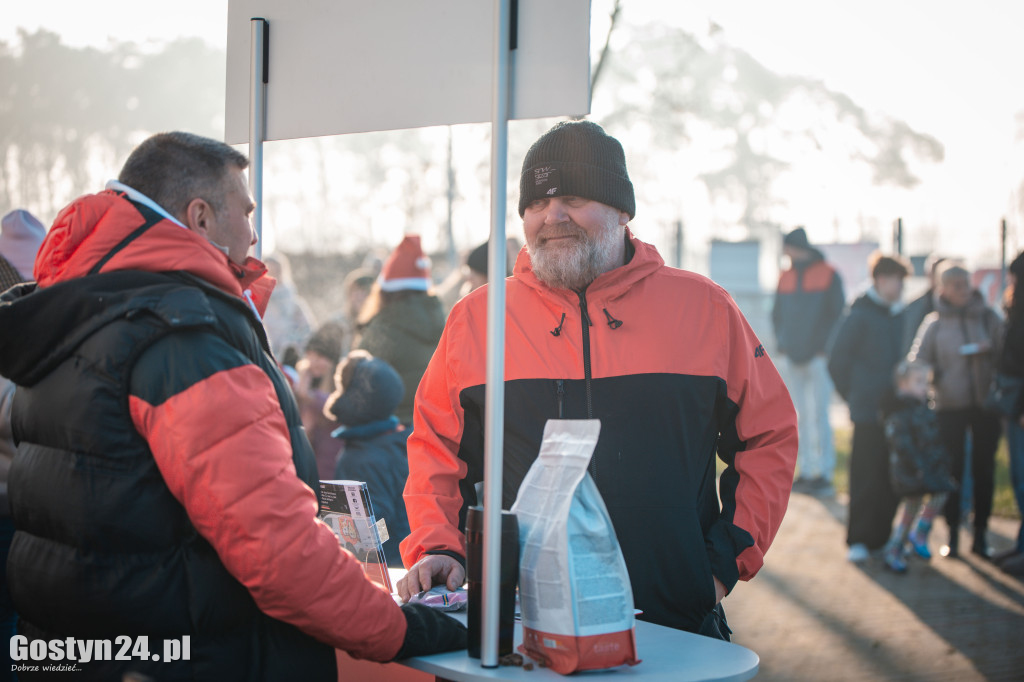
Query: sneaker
(893,558)
(980,545)
(858,553)
(919,543)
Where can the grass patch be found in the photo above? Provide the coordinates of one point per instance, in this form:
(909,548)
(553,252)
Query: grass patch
(1003,503)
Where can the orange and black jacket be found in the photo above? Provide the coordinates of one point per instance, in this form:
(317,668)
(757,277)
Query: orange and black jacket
(163,482)
(808,304)
(666,361)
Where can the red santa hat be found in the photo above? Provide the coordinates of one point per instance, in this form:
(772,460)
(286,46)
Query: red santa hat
(406,268)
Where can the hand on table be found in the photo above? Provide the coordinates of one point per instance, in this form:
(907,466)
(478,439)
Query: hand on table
(432,569)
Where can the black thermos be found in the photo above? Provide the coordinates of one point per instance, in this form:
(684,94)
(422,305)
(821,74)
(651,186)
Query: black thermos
(509,578)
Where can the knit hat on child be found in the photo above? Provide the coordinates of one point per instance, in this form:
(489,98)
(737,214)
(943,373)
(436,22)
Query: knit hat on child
(369,390)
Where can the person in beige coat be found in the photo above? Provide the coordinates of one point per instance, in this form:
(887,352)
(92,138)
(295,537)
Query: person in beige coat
(960,340)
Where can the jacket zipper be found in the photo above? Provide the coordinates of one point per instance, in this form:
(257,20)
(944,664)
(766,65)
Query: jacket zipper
(968,359)
(560,390)
(585,322)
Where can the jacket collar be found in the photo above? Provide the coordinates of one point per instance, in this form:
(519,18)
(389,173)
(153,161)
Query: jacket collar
(122,229)
(975,306)
(892,308)
(645,261)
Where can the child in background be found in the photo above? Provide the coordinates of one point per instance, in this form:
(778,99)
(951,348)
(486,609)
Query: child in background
(364,403)
(919,464)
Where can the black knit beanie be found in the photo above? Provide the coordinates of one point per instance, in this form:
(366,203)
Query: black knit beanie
(369,389)
(477,259)
(577,159)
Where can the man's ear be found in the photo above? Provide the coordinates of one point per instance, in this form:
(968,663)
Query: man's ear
(623,218)
(199,217)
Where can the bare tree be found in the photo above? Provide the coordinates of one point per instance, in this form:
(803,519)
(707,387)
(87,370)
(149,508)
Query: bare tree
(613,20)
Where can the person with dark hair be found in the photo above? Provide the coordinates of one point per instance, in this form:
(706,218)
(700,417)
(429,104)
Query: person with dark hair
(355,290)
(471,275)
(1011,363)
(314,383)
(920,307)
(598,327)
(808,303)
(368,391)
(163,486)
(402,318)
(961,341)
(864,353)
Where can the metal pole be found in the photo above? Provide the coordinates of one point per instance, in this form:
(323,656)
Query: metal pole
(494,426)
(1002,258)
(453,259)
(897,236)
(679,244)
(258,72)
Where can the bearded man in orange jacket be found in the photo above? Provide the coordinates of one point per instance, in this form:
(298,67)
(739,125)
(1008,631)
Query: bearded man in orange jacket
(598,327)
(163,486)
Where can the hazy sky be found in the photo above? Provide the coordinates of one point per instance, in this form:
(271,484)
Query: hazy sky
(949,69)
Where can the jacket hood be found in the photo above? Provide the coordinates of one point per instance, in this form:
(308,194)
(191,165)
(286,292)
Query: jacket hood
(975,307)
(816,257)
(867,302)
(39,327)
(645,261)
(109,232)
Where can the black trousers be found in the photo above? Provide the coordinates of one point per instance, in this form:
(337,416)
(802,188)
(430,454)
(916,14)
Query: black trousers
(872,502)
(985,428)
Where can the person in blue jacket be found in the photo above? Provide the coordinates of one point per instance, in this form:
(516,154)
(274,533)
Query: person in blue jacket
(374,452)
(866,350)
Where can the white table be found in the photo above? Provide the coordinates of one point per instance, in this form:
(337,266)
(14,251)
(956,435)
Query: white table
(666,655)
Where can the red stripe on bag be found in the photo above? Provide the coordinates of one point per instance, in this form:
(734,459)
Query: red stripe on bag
(566,653)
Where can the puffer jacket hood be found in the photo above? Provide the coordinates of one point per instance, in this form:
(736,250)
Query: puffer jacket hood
(73,315)
(108,231)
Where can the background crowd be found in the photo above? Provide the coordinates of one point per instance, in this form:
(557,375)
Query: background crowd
(932,384)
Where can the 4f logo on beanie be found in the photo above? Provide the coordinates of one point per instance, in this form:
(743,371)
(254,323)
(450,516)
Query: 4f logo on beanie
(546,176)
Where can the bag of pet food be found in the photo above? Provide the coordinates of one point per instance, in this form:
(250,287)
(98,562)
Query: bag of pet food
(574,591)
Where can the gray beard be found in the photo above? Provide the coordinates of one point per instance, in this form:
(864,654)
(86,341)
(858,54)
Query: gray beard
(574,266)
